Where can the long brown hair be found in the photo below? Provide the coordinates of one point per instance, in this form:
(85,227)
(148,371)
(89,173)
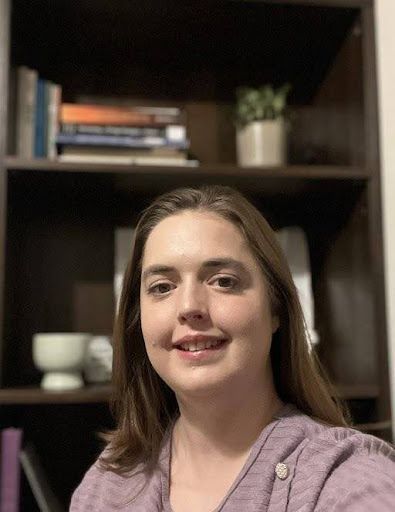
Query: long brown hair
(143,404)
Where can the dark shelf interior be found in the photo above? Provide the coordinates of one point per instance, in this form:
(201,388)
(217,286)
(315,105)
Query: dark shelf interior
(230,42)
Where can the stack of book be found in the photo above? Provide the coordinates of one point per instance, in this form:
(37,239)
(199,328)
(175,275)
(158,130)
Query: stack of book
(36,102)
(96,133)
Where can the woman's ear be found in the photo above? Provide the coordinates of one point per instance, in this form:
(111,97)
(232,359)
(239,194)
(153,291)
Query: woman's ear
(275,323)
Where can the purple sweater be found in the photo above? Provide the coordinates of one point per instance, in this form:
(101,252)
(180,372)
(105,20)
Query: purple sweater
(296,465)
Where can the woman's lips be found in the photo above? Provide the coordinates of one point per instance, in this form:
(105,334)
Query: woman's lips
(198,355)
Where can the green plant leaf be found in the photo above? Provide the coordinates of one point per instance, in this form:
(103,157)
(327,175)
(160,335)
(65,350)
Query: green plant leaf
(257,104)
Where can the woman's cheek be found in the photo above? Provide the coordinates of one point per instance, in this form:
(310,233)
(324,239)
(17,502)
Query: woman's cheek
(157,327)
(234,314)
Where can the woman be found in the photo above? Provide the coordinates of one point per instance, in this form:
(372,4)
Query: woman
(219,404)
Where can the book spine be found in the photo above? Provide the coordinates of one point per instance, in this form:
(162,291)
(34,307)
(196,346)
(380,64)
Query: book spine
(54,99)
(75,113)
(102,129)
(127,160)
(25,116)
(118,141)
(40,120)
(11,439)
(109,101)
(171,132)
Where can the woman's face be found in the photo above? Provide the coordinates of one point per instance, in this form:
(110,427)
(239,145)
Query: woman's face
(199,279)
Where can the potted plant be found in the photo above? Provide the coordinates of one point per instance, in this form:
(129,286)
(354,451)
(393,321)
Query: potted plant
(261,127)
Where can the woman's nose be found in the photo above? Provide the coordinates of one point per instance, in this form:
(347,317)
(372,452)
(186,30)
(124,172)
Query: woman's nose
(193,303)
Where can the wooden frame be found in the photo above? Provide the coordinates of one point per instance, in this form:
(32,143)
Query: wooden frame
(343,192)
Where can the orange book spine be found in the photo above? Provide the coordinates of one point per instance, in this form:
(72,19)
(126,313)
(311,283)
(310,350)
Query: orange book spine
(100,114)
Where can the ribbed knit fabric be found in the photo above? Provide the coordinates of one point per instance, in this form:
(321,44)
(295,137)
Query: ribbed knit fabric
(326,469)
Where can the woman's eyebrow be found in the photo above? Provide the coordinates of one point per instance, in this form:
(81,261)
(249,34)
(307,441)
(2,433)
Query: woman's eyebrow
(156,269)
(211,263)
(225,262)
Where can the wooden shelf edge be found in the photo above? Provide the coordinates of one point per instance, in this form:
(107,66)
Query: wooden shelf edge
(291,171)
(101,394)
(350,392)
(327,3)
(20,396)
(372,427)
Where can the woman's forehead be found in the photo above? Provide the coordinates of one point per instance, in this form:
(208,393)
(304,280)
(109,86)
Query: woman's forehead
(190,241)
(194,232)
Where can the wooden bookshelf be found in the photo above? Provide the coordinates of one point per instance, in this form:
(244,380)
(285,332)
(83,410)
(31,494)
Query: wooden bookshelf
(57,219)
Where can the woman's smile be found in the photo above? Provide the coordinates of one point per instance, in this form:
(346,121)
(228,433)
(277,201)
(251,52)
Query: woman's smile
(202,352)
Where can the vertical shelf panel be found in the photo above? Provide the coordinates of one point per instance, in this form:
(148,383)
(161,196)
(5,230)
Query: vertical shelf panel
(5,21)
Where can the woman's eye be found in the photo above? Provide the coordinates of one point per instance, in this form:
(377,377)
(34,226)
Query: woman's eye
(159,289)
(226,282)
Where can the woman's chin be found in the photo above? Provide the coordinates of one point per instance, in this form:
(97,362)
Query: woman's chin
(205,389)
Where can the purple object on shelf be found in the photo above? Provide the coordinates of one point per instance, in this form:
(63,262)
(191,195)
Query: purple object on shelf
(11,440)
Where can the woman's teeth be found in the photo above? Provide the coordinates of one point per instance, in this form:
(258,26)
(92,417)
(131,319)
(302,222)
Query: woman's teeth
(203,345)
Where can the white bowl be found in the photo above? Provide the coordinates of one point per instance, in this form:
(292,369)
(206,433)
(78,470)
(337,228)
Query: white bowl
(61,357)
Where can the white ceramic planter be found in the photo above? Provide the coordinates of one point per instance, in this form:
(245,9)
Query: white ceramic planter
(61,357)
(262,143)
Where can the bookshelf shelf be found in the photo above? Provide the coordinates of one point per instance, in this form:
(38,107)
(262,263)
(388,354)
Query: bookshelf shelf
(101,394)
(16,396)
(374,427)
(309,188)
(351,392)
(292,171)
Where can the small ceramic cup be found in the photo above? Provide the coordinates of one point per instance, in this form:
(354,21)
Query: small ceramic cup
(61,357)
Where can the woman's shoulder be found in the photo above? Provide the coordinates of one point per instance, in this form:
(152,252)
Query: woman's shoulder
(362,471)
(315,431)
(98,488)
(320,441)
(102,490)
(340,467)
(346,440)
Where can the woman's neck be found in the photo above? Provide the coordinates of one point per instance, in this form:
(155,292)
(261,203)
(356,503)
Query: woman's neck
(223,427)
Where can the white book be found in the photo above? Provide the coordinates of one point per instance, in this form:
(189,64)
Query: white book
(127,160)
(25,114)
(54,100)
(294,244)
(156,160)
(165,152)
